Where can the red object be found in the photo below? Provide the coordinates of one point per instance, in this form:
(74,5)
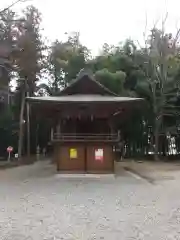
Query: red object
(9,149)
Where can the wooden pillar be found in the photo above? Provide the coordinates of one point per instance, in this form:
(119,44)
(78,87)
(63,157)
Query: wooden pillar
(58,128)
(111,126)
(28,131)
(57,146)
(52,134)
(112,131)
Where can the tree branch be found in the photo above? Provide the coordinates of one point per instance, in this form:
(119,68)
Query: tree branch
(10,6)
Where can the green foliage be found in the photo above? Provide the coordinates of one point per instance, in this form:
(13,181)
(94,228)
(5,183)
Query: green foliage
(29,59)
(113,81)
(65,60)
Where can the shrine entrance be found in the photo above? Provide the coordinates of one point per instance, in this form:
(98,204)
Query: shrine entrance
(87,145)
(83,132)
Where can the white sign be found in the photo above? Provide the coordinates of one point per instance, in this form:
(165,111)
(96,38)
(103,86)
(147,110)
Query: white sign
(99,154)
(9,149)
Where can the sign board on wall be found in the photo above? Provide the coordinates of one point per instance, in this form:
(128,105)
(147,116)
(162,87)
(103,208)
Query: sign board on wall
(73,153)
(99,154)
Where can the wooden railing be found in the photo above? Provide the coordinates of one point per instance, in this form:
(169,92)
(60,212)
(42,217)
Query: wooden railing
(66,137)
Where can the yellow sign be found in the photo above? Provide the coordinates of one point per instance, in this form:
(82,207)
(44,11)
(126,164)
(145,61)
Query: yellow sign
(73,153)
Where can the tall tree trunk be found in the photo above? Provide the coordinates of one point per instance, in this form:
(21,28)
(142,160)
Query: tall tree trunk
(156,139)
(21,125)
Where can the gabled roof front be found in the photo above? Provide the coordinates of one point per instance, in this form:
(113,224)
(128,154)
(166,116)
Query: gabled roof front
(86,90)
(85,83)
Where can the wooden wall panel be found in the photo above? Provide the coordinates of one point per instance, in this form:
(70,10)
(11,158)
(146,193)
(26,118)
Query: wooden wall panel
(100,166)
(65,163)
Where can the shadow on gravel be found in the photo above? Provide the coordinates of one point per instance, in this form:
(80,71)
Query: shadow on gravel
(14,163)
(148,179)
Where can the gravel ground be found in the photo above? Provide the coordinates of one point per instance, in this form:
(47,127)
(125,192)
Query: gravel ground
(36,204)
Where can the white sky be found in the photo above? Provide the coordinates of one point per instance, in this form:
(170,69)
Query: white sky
(100,21)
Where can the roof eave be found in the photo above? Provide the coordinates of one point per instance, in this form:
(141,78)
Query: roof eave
(53,101)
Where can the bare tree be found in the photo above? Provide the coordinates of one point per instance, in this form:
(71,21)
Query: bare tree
(162,65)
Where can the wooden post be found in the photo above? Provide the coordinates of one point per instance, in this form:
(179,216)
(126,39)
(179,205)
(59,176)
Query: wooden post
(111,126)
(52,134)
(28,119)
(58,128)
(114,154)
(21,126)
(28,132)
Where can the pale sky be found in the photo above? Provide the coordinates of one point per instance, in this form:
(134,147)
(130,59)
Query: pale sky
(100,21)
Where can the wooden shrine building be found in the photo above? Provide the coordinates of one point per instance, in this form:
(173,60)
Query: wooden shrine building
(83,133)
